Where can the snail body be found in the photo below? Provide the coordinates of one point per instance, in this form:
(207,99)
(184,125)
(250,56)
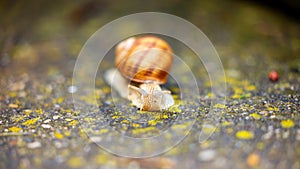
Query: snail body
(145,63)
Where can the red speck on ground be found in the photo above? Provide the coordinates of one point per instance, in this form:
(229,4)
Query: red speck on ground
(273,76)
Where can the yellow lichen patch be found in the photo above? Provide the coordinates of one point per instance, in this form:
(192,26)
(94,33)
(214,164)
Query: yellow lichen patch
(30,121)
(210,95)
(220,106)
(37,161)
(250,88)
(101,159)
(125,121)
(98,93)
(238,90)
(207,83)
(244,82)
(174,151)
(152,122)
(39,111)
(59,100)
(58,135)
(67,133)
(75,162)
(174,89)
(12,94)
(255,116)
(15,129)
(88,119)
(69,110)
(17,118)
(106,90)
(175,108)
(177,101)
(260,145)
(273,108)
(73,123)
(226,123)
(103,131)
(76,113)
(175,96)
(115,117)
(82,134)
(287,123)
(236,96)
(205,144)
(229,130)
(144,130)
(164,116)
(181,126)
(13,105)
(168,135)
(135,125)
(27,112)
(244,135)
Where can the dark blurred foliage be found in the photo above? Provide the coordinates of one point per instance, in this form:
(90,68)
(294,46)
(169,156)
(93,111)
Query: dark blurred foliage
(290,8)
(19,18)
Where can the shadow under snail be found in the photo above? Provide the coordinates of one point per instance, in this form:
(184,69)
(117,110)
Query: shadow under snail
(142,65)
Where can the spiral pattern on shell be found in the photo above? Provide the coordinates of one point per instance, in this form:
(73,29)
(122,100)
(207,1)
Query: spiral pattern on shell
(144,59)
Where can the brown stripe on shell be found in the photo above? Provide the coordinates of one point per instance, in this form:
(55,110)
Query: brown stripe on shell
(136,67)
(150,70)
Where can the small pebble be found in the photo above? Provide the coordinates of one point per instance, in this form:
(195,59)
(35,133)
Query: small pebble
(72,89)
(47,121)
(46,126)
(68,119)
(33,145)
(56,117)
(96,139)
(58,144)
(13,105)
(59,159)
(264,112)
(220,162)
(273,76)
(285,134)
(269,134)
(207,155)
(277,133)
(253,160)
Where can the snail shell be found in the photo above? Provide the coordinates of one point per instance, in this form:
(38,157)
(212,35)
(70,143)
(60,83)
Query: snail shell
(144,59)
(145,63)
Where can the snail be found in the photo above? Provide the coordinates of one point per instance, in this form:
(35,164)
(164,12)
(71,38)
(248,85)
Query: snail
(144,63)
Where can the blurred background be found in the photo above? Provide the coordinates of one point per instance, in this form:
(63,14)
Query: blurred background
(54,32)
